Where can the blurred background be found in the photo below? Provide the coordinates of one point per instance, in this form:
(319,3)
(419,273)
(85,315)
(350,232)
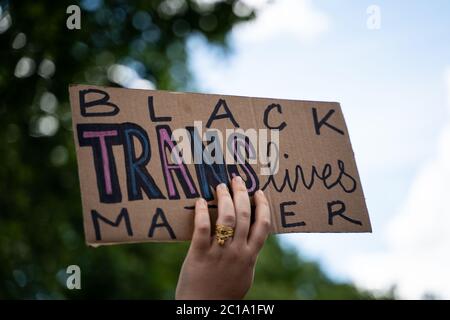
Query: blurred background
(388,63)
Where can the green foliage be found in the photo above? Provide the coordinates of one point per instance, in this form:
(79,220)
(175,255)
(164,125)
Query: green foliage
(41,230)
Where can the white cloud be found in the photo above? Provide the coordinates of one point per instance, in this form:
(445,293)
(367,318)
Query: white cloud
(417,257)
(128,77)
(294,18)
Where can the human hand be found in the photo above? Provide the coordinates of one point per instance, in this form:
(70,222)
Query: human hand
(212,271)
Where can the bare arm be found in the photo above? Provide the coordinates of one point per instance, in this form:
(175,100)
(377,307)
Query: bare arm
(213,271)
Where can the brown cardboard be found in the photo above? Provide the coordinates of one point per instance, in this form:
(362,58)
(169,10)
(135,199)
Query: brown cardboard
(314,136)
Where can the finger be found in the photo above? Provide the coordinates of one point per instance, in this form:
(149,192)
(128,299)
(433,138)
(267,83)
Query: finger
(201,239)
(261,227)
(226,215)
(242,208)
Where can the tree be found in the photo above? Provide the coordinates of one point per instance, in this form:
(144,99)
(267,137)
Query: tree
(41,222)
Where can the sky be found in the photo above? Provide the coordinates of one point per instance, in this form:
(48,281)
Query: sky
(388,64)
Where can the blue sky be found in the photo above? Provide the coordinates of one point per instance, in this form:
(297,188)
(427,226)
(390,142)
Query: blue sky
(393,84)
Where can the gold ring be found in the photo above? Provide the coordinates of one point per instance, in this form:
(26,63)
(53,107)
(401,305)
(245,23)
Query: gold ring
(223,233)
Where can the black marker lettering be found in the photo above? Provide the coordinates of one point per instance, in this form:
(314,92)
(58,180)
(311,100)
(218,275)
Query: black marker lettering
(209,173)
(333,212)
(123,215)
(138,178)
(151,110)
(325,175)
(103,101)
(285,214)
(227,114)
(101,137)
(179,167)
(323,122)
(269,108)
(155,224)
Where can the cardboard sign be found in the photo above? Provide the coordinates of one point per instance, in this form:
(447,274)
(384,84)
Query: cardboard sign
(144,156)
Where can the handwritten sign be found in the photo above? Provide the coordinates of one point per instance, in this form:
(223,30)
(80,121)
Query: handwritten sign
(144,156)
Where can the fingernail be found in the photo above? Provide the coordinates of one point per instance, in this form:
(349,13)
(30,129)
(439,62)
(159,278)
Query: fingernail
(222,186)
(238,179)
(201,202)
(260,192)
